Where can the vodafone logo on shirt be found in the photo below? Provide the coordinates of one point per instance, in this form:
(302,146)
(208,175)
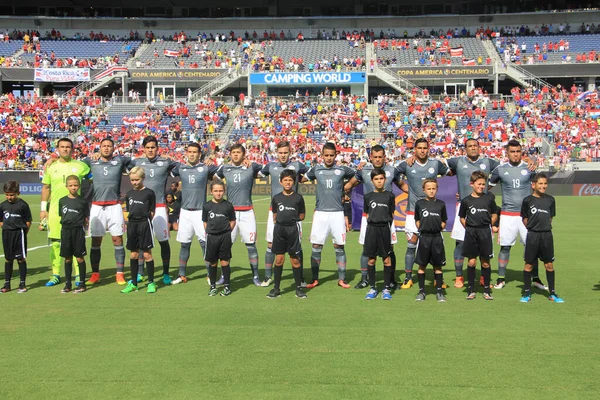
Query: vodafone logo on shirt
(588,189)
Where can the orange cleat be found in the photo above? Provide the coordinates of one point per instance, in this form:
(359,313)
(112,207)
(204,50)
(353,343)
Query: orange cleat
(313,284)
(343,284)
(460,282)
(121,278)
(95,278)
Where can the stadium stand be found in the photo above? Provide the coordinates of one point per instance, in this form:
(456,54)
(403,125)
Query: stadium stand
(550,49)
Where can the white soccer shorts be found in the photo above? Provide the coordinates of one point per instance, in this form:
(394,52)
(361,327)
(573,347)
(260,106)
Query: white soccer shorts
(363,231)
(410,226)
(511,226)
(327,223)
(106,219)
(160,223)
(190,223)
(458,231)
(245,226)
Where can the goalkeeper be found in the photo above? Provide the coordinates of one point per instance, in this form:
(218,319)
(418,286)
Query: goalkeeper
(53,186)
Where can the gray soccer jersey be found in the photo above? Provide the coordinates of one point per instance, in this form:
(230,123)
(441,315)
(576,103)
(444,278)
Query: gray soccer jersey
(157,171)
(364,177)
(463,167)
(516,184)
(274,168)
(415,176)
(330,185)
(107,178)
(240,180)
(194,179)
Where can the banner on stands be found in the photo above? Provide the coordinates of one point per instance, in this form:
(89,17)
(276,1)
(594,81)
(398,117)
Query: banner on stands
(446,72)
(61,74)
(307,78)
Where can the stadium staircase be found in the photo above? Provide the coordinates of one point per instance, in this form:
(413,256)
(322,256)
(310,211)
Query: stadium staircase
(218,84)
(18,54)
(95,85)
(373,129)
(513,71)
(140,50)
(226,130)
(403,85)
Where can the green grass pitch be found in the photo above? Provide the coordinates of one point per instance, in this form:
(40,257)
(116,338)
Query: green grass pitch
(180,343)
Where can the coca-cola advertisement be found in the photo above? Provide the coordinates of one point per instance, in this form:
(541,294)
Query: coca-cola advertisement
(587,189)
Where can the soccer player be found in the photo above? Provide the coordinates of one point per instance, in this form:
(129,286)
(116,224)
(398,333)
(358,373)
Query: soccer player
(328,218)
(477,216)
(273,169)
(194,178)
(379,205)
(106,213)
(140,204)
(430,218)
(423,168)
(288,210)
(157,169)
(218,216)
(15,221)
(377,158)
(537,212)
(53,187)
(239,179)
(74,219)
(515,179)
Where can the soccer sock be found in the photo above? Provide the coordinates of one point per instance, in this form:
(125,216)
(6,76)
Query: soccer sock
(269,260)
(95,258)
(371,275)
(421,282)
(134,265)
(278,274)
(150,270)
(55,258)
(82,271)
(141,262)
(527,282)
(393,261)
(120,257)
(486,272)
(226,272)
(459,260)
(340,260)
(297,277)
(364,267)
(315,262)
(165,253)
(439,281)
(8,270)
(301,261)
(471,278)
(68,272)
(535,270)
(503,258)
(212,275)
(387,276)
(184,256)
(253,258)
(409,259)
(550,277)
(23,271)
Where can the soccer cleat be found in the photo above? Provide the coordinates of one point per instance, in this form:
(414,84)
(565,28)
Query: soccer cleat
(80,289)
(267,282)
(386,294)
(313,284)
(141,278)
(488,296)
(221,281)
(180,279)
(166,279)
(5,288)
(460,282)
(151,288)
(66,289)
(274,293)
(256,282)
(121,279)
(440,298)
(444,286)
(130,288)
(408,283)
(371,294)
(300,293)
(525,299)
(225,292)
(362,285)
(213,291)
(500,283)
(303,285)
(537,283)
(471,296)
(95,278)
(22,289)
(54,280)
(420,297)
(344,284)
(555,298)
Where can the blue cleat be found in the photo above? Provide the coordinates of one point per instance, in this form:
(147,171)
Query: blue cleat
(166,279)
(386,294)
(555,298)
(257,282)
(371,294)
(54,280)
(525,299)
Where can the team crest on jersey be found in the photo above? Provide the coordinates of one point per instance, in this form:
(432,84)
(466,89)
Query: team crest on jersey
(64,210)
(244,167)
(387,174)
(160,163)
(200,169)
(338,172)
(113,162)
(523,172)
(482,166)
(431,170)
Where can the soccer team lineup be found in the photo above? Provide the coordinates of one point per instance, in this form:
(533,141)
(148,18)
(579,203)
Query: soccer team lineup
(212,205)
